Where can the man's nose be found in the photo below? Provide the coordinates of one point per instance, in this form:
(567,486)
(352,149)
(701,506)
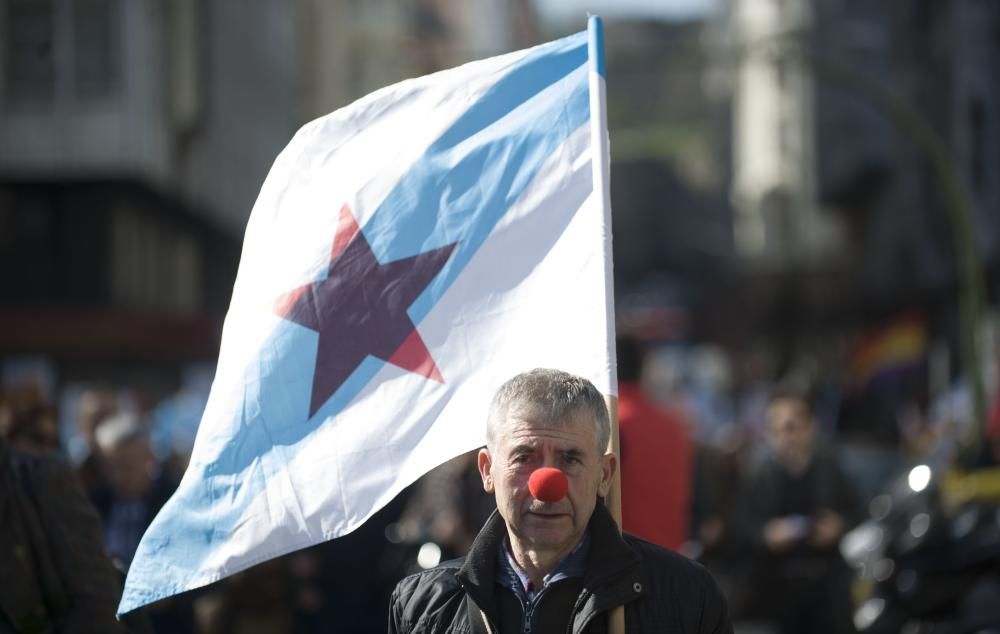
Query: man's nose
(548,484)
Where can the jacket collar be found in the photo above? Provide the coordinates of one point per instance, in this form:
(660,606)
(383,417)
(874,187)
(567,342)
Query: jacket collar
(613,567)
(478,574)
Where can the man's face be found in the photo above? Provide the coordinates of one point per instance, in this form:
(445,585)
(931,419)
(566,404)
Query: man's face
(129,469)
(791,430)
(521,447)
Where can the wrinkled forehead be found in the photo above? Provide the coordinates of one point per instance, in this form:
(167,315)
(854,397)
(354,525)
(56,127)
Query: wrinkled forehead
(524,418)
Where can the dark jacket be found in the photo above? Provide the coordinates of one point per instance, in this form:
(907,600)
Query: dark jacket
(806,587)
(774,492)
(661,591)
(54,576)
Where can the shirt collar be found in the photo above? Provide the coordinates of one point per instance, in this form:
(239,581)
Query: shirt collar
(510,575)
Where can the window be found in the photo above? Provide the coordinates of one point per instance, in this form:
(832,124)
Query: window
(96,51)
(29,51)
(58,49)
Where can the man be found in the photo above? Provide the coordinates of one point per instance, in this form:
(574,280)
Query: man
(133,490)
(798,506)
(657,457)
(559,565)
(54,575)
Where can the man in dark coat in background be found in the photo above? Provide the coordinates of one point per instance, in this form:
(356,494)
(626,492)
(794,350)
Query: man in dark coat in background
(798,506)
(54,575)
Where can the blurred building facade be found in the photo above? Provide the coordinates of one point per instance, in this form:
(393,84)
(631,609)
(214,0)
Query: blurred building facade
(672,228)
(775,171)
(937,58)
(135,135)
(837,206)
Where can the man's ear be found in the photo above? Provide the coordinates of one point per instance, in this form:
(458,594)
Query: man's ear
(609,464)
(485,463)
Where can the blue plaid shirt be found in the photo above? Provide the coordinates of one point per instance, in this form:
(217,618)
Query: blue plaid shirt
(510,575)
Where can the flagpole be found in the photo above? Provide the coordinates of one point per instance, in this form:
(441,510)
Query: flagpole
(600,159)
(600,168)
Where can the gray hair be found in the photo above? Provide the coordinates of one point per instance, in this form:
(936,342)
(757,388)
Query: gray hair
(550,397)
(118,430)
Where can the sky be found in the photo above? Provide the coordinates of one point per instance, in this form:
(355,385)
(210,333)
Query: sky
(659,9)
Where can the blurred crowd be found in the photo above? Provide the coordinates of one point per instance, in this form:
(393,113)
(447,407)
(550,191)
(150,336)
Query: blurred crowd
(105,478)
(754,478)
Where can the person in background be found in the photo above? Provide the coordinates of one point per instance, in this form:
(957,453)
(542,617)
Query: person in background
(54,574)
(656,457)
(716,535)
(799,504)
(27,421)
(95,404)
(130,493)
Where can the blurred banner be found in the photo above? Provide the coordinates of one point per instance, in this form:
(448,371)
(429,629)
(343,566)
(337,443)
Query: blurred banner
(896,347)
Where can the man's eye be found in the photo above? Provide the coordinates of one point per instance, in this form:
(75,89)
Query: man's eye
(521,458)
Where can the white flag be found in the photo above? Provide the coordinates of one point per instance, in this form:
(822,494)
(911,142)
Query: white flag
(407,255)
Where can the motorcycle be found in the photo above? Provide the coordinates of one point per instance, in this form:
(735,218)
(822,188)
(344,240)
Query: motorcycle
(928,556)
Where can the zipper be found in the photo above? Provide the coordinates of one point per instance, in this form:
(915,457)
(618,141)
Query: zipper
(529,609)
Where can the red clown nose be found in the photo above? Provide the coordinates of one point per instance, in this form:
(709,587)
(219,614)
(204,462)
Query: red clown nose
(548,484)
